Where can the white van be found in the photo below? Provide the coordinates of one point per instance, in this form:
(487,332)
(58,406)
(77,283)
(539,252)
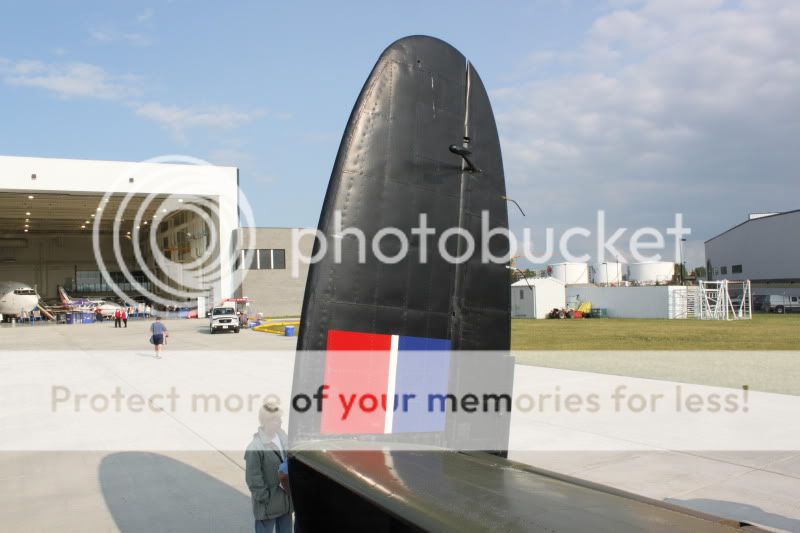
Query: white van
(778,303)
(224,318)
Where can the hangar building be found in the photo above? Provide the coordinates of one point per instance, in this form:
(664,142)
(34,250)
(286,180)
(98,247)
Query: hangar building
(166,231)
(765,249)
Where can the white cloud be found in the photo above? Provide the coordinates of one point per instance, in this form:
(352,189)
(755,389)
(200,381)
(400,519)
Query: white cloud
(83,80)
(111,35)
(178,119)
(145,15)
(69,80)
(669,106)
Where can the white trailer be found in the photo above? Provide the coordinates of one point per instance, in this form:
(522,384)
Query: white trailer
(535,297)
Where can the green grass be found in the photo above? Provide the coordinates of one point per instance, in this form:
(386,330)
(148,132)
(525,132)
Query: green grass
(763,332)
(724,354)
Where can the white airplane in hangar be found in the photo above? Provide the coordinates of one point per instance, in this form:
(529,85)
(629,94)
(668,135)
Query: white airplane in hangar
(87,305)
(17,297)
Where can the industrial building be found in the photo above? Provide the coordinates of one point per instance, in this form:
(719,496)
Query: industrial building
(536,297)
(613,273)
(265,264)
(765,249)
(657,301)
(643,292)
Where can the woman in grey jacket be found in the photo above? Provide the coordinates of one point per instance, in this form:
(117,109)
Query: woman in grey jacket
(272,506)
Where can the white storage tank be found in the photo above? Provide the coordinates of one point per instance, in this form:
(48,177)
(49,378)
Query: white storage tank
(607,273)
(570,273)
(651,272)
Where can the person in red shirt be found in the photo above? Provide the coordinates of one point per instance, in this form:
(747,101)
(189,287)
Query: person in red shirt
(118,318)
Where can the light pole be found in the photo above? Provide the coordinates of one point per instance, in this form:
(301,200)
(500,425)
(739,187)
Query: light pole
(682,261)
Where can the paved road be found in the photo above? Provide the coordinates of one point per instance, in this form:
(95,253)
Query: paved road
(111,482)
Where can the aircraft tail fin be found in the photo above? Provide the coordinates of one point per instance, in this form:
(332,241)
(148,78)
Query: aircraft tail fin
(63,296)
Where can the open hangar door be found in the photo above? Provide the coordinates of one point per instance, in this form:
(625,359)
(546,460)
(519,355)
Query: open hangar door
(46,240)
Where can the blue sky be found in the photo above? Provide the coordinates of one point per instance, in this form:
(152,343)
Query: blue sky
(643,109)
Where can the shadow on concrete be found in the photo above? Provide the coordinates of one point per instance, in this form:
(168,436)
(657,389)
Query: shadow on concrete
(147,492)
(739,511)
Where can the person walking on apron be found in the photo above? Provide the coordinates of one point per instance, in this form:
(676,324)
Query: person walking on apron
(158,336)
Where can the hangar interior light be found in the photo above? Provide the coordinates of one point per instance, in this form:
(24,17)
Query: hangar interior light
(66,212)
